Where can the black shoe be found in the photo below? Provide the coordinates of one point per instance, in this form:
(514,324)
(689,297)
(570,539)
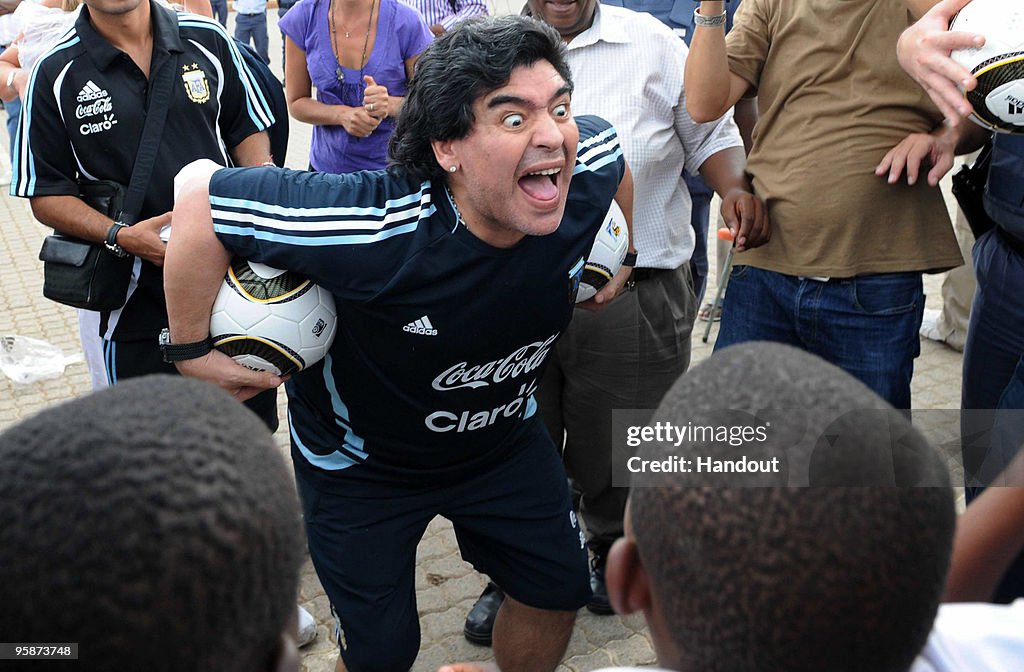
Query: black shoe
(599,602)
(480,621)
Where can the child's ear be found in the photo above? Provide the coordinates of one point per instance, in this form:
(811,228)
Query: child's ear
(628,585)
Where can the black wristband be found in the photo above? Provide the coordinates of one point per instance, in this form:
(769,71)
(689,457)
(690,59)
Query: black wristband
(180,352)
(629,259)
(111,242)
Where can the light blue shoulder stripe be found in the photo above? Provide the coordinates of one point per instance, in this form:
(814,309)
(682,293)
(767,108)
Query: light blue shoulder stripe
(317,241)
(285,211)
(593,166)
(600,137)
(18,185)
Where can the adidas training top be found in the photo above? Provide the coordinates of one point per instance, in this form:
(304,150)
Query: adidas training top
(441,338)
(83,115)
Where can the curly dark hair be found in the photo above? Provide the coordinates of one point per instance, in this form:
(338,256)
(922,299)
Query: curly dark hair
(845,575)
(155,523)
(460,66)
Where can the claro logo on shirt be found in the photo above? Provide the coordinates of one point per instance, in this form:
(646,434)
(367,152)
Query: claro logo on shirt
(520,362)
(95,110)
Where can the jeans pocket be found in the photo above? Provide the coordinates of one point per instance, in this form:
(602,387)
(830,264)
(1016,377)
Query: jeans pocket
(738,272)
(887,294)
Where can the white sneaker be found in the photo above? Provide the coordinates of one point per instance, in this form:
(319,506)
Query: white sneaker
(930,325)
(307,627)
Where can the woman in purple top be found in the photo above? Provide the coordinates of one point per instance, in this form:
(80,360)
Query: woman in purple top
(359,54)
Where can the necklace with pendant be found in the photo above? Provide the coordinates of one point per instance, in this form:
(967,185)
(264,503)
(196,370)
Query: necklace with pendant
(338,73)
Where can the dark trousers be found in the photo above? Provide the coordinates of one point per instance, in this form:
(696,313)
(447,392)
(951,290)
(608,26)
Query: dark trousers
(625,357)
(254,27)
(130,359)
(220,11)
(993,385)
(700,218)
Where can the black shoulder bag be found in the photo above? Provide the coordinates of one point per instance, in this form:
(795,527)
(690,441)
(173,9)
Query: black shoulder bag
(84,274)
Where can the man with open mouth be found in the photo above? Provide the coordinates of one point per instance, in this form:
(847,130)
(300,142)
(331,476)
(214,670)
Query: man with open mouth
(479,229)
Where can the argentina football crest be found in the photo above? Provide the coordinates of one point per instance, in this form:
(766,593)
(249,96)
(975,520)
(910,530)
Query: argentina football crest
(575,273)
(196,85)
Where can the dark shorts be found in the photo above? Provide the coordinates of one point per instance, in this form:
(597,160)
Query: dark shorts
(513,522)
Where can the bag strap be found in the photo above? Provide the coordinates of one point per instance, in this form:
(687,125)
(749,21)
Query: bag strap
(149,142)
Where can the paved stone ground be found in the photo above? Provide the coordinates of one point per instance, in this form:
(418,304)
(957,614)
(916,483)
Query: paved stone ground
(446,586)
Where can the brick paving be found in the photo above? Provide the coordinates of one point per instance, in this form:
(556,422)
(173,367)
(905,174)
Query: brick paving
(446,586)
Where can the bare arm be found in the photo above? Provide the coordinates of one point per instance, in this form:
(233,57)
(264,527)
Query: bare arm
(711,88)
(989,535)
(745,115)
(253,151)
(196,264)
(744,213)
(202,7)
(70,215)
(301,104)
(9,62)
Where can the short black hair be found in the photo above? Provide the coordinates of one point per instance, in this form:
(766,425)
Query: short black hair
(459,67)
(772,579)
(154,523)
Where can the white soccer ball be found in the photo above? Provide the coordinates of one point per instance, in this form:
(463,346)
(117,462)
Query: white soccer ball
(272,320)
(998,100)
(605,258)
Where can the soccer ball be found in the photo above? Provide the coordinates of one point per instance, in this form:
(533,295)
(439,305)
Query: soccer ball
(272,320)
(998,100)
(605,258)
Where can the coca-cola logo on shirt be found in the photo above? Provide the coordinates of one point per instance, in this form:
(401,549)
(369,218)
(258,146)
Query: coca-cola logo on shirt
(518,362)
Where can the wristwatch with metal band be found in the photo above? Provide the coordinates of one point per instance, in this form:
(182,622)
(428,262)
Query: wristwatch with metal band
(111,241)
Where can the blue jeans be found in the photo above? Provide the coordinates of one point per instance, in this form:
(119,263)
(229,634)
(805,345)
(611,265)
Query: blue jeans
(13,117)
(994,377)
(866,325)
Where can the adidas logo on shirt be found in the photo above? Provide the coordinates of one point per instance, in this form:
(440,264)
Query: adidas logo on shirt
(422,326)
(91,92)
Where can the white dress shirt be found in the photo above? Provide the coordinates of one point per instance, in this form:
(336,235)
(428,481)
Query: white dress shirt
(628,68)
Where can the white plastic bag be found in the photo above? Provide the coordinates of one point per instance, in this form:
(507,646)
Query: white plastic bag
(26,360)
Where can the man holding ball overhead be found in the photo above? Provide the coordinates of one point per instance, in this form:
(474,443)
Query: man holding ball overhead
(476,228)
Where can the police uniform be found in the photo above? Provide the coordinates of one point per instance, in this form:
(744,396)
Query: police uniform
(424,405)
(84,112)
(994,352)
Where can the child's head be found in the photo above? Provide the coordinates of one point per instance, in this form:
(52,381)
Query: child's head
(154,523)
(844,575)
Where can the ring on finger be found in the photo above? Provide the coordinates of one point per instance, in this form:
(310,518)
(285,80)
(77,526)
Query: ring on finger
(370,107)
